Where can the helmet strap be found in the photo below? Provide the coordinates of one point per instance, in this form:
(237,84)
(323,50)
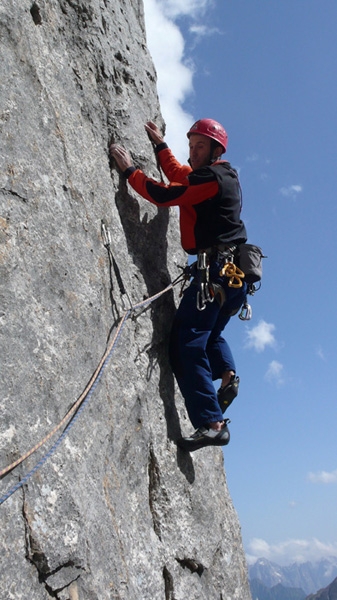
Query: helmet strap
(213,158)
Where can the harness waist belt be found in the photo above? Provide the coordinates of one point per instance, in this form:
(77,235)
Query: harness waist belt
(218,248)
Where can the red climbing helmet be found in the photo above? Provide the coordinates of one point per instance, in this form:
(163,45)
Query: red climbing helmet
(211,129)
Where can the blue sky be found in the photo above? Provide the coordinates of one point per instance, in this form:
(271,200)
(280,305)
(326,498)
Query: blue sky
(268,72)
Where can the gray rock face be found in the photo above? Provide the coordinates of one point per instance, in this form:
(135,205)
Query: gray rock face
(116,511)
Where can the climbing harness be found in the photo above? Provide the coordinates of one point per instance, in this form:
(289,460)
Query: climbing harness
(72,415)
(229,269)
(250,259)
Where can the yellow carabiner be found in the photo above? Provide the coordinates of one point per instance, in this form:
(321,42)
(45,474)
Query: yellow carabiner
(234,274)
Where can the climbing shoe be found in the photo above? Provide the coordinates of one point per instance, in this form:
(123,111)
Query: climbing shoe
(205,437)
(227,393)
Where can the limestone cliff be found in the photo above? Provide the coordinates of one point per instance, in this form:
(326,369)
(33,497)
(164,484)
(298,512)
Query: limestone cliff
(116,512)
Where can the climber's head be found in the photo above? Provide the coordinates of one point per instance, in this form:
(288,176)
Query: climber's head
(208,140)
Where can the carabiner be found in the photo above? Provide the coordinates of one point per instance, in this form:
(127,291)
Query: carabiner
(105,235)
(204,295)
(202,261)
(201,304)
(234,274)
(246,312)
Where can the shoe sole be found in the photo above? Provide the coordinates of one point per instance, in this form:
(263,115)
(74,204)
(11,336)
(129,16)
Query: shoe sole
(232,393)
(191,445)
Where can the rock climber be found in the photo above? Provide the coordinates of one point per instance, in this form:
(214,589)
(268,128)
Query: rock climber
(208,194)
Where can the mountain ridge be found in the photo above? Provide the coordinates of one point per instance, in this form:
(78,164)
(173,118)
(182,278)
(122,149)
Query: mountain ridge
(308,576)
(328,593)
(260,591)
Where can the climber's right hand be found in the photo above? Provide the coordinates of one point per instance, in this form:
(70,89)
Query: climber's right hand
(154,132)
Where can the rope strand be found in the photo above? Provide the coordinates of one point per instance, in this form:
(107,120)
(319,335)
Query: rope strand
(77,408)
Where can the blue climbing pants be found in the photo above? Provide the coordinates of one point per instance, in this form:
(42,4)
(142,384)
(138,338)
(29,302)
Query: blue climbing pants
(198,352)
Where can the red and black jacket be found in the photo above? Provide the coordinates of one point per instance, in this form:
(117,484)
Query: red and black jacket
(209,200)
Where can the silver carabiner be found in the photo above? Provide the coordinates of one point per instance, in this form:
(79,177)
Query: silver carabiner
(246,312)
(200,304)
(202,261)
(105,234)
(201,301)
(204,296)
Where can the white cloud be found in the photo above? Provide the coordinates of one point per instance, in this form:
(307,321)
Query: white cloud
(261,336)
(178,8)
(275,373)
(291,191)
(323,477)
(174,71)
(290,551)
(202,30)
(320,353)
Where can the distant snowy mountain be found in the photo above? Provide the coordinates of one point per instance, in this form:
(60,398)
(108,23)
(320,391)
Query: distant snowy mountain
(308,576)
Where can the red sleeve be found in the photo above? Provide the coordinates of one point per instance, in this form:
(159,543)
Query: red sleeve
(174,171)
(174,194)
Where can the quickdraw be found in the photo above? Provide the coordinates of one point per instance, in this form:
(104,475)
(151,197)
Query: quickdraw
(204,294)
(106,236)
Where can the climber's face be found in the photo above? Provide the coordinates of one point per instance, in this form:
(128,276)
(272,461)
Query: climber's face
(200,151)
